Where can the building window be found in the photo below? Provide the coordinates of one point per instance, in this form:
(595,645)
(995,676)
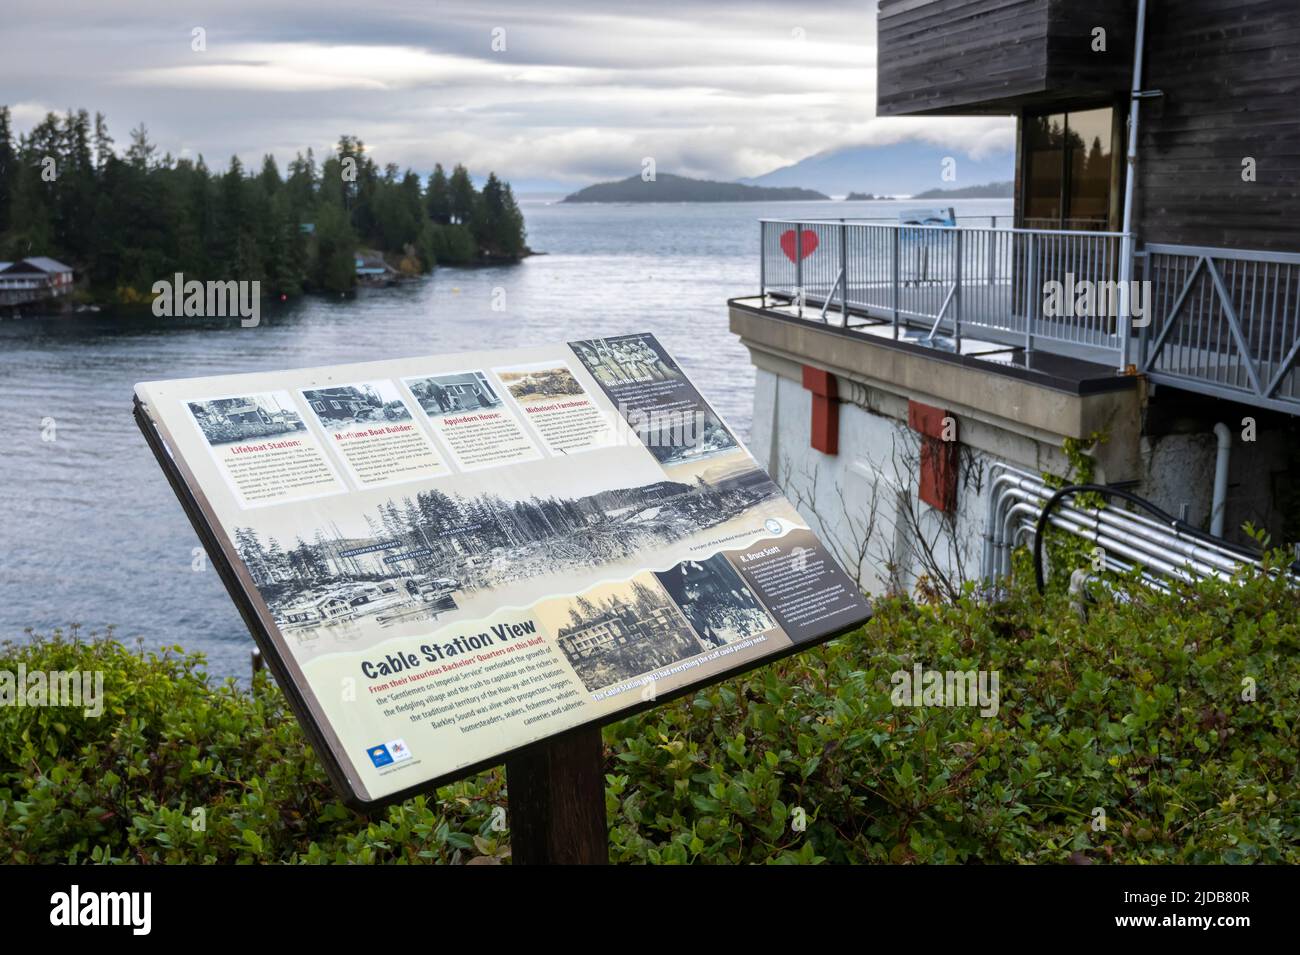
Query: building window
(1070,177)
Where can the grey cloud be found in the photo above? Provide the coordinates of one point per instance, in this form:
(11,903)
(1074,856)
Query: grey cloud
(719,88)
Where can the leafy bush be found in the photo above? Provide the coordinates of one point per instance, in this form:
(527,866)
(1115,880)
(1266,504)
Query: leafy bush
(1137,711)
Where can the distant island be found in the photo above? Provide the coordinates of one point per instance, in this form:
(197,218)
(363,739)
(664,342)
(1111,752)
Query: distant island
(863,197)
(669,188)
(990,190)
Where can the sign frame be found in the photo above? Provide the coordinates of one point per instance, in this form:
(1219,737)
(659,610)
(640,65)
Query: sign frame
(315,723)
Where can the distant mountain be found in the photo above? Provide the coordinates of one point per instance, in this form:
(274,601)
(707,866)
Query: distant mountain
(901,169)
(669,188)
(990,190)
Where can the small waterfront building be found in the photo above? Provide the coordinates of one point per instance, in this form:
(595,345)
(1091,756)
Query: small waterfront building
(1146,288)
(466,392)
(246,412)
(341,403)
(315,608)
(372,267)
(33,279)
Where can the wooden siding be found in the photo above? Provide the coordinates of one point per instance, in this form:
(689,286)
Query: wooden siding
(940,54)
(997,56)
(1230,74)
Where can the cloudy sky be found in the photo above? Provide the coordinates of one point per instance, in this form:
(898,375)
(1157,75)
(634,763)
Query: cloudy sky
(581,92)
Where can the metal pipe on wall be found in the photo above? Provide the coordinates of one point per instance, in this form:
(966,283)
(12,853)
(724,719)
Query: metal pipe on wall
(1221,458)
(1017,497)
(1130,184)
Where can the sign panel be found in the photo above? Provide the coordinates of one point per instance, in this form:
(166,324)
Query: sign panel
(445,559)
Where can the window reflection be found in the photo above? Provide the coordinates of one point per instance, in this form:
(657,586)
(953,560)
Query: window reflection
(1068,170)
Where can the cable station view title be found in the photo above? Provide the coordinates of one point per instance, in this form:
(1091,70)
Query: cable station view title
(395,663)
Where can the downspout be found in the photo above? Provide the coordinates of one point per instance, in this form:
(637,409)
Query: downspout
(1130,183)
(1224,434)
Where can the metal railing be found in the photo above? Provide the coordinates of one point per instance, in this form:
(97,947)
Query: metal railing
(1224,322)
(1220,322)
(947,280)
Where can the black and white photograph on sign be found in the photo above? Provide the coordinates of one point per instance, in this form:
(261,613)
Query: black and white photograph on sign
(453,394)
(366,403)
(627,359)
(335,579)
(677,437)
(436,545)
(246,417)
(529,385)
(618,632)
(655,397)
(715,600)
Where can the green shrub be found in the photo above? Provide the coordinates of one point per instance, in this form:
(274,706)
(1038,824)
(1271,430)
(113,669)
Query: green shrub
(1137,711)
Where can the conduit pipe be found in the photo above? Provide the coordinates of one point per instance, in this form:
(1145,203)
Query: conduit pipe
(1128,539)
(1127,523)
(1130,186)
(1221,458)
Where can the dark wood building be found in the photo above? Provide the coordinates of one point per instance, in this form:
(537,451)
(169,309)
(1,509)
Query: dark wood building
(1191,368)
(1218,147)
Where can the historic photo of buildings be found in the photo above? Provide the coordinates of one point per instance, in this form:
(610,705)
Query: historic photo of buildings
(452,394)
(619,632)
(246,418)
(341,406)
(407,558)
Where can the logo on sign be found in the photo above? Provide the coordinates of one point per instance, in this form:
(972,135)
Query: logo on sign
(387,753)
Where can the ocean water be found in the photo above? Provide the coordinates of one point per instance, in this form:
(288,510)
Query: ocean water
(90,532)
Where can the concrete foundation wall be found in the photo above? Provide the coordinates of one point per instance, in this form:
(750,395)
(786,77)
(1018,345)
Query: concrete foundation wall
(864,501)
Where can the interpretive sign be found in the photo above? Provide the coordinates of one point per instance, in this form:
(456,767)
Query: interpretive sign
(446,559)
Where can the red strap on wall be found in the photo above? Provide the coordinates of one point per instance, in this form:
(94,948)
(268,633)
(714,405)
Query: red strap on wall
(825,409)
(938,457)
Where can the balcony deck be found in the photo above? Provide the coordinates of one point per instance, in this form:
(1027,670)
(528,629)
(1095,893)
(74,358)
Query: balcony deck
(1220,322)
(1046,369)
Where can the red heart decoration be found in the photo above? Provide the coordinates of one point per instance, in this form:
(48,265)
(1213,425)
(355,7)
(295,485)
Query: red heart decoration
(788,243)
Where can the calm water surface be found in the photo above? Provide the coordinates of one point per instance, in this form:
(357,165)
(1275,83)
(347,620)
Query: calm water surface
(89,530)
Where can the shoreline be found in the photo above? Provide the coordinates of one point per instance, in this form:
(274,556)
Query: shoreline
(74,305)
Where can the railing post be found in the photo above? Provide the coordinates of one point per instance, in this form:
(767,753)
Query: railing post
(896,230)
(957,298)
(798,265)
(1031,299)
(844,273)
(1146,326)
(992,249)
(762,262)
(1127,257)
